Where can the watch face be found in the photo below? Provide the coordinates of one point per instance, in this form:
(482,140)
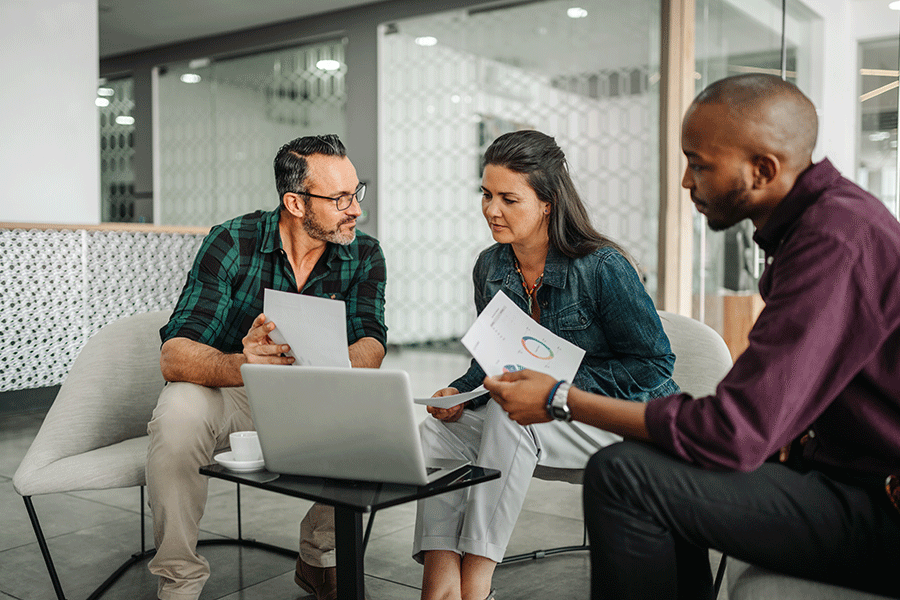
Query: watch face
(558,412)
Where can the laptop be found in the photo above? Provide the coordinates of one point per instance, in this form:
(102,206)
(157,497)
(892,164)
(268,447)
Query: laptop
(341,423)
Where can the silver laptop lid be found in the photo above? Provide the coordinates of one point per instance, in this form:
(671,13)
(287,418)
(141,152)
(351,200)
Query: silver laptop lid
(336,422)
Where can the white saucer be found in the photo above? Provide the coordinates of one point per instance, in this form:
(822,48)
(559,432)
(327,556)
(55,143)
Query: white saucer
(226,459)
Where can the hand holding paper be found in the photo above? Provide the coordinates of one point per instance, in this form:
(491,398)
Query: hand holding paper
(450,401)
(315,328)
(504,338)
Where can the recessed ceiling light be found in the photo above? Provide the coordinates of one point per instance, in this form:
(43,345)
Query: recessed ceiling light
(894,5)
(576,12)
(190,78)
(101,102)
(105,91)
(125,120)
(426,40)
(327,64)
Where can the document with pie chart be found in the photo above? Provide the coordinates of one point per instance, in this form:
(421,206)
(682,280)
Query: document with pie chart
(504,338)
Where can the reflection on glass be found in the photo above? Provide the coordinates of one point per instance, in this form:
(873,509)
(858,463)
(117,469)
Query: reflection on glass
(221,123)
(877,171)
(452,82)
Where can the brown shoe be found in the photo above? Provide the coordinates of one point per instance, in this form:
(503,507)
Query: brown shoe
(316,580)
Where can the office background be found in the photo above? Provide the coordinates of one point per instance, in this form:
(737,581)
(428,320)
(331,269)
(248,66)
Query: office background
(116,116)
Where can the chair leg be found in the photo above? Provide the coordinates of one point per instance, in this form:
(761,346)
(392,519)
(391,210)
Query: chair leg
(39,534)
(536,554)
(143,554)
(720,576)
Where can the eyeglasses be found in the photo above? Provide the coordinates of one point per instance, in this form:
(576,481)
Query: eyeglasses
(343,201)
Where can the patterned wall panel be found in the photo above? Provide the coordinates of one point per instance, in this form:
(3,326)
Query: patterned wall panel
(61,286)
(440,108)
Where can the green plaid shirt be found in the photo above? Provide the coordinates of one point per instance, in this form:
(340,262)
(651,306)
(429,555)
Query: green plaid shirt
(242,257)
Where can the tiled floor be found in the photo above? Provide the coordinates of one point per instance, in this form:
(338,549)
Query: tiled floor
(91,533)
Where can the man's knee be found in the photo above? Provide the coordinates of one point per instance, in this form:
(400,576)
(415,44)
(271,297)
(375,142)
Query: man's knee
(616,468)
(184,409)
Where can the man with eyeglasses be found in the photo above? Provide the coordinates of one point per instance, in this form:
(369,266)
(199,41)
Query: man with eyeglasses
(308,245)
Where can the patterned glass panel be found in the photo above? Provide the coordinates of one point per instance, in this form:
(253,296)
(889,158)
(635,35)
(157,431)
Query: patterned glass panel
(115,102)
(222,122)
(450,83)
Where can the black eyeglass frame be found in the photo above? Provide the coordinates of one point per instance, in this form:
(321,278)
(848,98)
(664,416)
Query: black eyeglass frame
(359,194)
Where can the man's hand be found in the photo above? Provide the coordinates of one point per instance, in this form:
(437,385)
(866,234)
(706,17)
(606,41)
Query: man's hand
(523,394)
(260,349)
(448,415)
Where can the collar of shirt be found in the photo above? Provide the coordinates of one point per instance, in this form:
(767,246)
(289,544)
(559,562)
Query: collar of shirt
(270,239)
(556,267)
(807,189)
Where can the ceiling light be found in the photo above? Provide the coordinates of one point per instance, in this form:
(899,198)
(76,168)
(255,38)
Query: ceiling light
(105,91)
(125,120)
(199,63)
(576,12)
(328,65)
(426,40)
(894,6)
(101,102)
(879,136)
(190,78)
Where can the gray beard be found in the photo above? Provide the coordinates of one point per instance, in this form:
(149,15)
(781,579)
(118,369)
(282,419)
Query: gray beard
(316,231)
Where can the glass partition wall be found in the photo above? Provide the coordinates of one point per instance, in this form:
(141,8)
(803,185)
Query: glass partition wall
(877,140)
(220,123)
(115,102)
(450,83)
(731,38)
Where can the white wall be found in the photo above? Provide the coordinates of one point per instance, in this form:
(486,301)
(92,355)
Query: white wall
(49,154)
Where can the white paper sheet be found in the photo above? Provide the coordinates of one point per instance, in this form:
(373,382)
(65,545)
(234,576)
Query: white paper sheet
(315,328)
(504,338)
(450,401)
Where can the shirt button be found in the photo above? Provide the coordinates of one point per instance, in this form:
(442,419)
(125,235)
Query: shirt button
(769,260)
(811,433)
(545,304)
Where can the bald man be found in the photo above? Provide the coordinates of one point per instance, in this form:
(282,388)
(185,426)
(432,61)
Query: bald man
(787,465)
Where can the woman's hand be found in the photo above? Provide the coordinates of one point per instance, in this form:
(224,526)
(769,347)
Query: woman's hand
(447,415)
(523,394)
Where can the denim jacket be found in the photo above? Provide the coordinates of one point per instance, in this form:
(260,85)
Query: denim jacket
(596,302)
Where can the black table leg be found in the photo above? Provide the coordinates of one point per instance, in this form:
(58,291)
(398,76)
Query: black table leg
(349,549)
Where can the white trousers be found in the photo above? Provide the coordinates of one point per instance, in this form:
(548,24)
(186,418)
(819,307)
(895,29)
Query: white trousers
(480,520)
(190,423)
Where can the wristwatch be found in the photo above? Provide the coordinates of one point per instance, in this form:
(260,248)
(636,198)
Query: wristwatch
(558,407)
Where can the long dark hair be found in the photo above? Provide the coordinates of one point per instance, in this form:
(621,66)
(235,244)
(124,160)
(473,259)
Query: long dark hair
(537,156)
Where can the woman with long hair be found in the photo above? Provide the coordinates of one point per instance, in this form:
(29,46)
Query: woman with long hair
(578,284)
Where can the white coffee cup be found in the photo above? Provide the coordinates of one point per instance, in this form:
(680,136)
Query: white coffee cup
(245,446)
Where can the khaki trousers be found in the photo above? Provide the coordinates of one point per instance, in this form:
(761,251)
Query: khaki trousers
(190,423)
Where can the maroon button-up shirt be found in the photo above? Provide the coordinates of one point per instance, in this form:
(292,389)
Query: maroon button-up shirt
(824,355)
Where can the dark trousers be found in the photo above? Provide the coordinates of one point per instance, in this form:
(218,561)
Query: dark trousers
(651,519)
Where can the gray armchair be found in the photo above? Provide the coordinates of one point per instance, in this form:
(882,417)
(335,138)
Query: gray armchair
(94,436)
(701,361)
(749,582)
